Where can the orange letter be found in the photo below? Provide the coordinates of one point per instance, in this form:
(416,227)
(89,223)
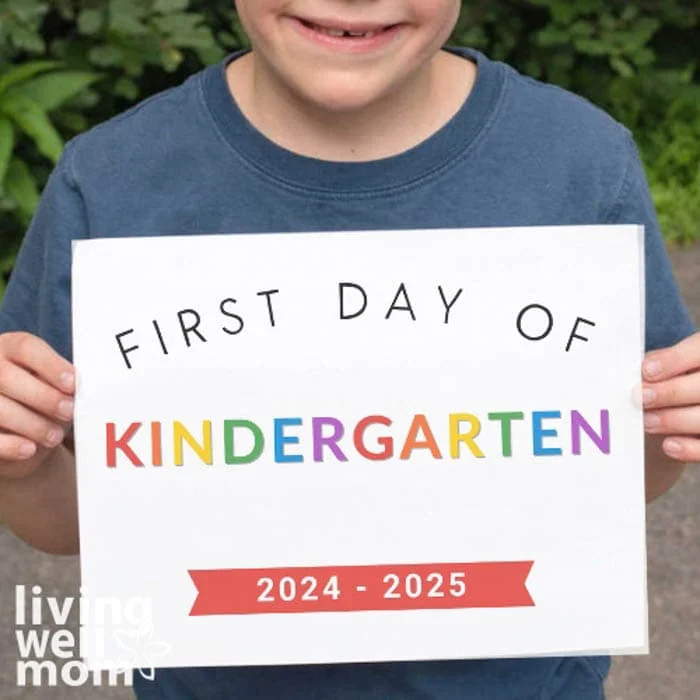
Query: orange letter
(420,422)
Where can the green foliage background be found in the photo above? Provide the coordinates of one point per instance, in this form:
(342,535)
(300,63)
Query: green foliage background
(66,65)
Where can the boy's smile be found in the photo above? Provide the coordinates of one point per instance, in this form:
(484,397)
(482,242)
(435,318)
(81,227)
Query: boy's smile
(351,36)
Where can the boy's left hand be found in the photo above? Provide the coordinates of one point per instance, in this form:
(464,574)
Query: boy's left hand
(671,398)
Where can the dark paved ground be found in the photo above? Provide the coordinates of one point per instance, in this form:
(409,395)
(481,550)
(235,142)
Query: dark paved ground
(671,672)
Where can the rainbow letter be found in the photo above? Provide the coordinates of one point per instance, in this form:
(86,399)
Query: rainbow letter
(506,433)
(331,441)
(420,422)
(181,435)
(121,444)
(468,438)
(386,442)
(281,440)
(539,433)
(258,446)
(602,441)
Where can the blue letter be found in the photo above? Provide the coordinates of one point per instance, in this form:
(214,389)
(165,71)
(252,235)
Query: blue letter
(281,440)
(538,433)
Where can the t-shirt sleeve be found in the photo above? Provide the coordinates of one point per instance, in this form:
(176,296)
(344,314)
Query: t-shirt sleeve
(667,318)
(37,299)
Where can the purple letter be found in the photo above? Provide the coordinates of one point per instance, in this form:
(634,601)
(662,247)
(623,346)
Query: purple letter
(602,441)
(330,441)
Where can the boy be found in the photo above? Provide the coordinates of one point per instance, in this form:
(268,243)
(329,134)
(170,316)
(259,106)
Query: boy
(347,114)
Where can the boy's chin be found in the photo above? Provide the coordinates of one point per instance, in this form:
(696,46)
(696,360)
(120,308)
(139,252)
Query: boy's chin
(340,98)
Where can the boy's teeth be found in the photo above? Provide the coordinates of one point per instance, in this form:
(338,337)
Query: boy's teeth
(343,32)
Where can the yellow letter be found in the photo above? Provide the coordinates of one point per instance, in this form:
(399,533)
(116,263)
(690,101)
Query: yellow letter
(456,437)
(182,435)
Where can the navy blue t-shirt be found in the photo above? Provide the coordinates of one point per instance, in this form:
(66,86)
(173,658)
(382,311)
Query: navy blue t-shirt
(187,162)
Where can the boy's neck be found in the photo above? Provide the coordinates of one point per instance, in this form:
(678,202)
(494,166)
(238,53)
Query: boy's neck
(386,128)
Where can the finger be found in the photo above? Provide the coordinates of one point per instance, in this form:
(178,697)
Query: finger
(25,388)
(678,391)
(16,449)
(20,421)
(673,421)
(670,362)
(685,449)
(34,354)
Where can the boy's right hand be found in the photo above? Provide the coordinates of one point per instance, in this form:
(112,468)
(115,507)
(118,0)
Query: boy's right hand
(36,402)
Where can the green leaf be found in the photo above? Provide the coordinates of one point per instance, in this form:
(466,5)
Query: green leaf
(24,72)
(227,39)
(7,145)
(54,89)
(26,39)
(169,6)
(90,21)
(34,122)
(65,9)
(127,17)
(72,121)
(621,66)
(124,87)
(21,187)
(106,55)
(7,262)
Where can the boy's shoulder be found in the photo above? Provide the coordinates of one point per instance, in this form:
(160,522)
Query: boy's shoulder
(163,123)
(553,115)
(557,140)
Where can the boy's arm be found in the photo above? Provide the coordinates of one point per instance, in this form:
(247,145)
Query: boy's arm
(38,495)
(671,398)
(41,508)
(669,328)
(661,471)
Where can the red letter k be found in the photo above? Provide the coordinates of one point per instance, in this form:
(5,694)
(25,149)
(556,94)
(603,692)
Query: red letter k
(121,444)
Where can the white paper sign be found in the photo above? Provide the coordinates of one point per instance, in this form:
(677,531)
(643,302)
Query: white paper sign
(344,447)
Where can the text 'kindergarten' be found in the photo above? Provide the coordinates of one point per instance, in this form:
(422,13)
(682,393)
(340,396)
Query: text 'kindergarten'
(373,438)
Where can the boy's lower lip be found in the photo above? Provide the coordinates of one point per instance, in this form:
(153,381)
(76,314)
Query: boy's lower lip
(346,44)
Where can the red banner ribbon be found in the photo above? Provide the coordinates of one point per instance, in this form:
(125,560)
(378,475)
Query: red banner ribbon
(356,588)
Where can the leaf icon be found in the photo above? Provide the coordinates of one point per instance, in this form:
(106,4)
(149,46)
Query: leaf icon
(148,673)
(141,646)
